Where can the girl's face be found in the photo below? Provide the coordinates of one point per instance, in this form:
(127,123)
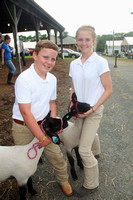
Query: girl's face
(85,41)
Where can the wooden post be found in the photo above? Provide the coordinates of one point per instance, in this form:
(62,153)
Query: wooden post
(37,27)
(19,68)
(61,42)
(55,31)
(15,16)
(16,19)
(48,32)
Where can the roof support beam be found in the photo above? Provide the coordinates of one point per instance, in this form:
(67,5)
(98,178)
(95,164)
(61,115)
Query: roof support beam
(48,32)
(55,31)
(37,27)
(61,42)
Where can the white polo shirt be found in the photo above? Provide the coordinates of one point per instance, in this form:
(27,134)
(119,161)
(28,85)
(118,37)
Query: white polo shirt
(86,78)
(31,88)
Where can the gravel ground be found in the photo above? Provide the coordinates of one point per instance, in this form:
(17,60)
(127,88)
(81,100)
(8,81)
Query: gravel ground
(115,132)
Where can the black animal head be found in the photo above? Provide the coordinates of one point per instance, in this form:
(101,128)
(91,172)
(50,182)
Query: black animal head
(54,124)
(77,108)
(80,108)
(51,126)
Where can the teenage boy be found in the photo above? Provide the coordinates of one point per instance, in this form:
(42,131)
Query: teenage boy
(35,94)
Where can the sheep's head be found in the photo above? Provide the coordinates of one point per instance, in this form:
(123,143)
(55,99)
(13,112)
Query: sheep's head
(79,107)
(51,126)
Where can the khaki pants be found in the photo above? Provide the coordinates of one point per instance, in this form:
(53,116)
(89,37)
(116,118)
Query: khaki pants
(23,136)
(96,149)
(89,144)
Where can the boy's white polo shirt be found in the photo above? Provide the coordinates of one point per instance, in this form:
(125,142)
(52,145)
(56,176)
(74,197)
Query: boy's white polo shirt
(86,78)
(31,88)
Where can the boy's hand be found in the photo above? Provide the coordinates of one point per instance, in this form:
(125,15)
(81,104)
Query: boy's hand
(58,132)
(46,141)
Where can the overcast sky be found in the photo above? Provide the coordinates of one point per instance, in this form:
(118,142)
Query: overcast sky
(104,15)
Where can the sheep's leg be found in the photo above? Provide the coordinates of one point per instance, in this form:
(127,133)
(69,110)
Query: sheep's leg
(71,161)
(31,190)
(22,192)
(79,160)
(40,160)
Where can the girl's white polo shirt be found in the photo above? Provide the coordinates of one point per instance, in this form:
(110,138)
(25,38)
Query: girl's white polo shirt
(86,78)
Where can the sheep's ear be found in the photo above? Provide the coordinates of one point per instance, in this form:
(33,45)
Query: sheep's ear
(74,98)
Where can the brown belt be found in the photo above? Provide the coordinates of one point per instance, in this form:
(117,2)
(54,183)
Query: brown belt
(23,123)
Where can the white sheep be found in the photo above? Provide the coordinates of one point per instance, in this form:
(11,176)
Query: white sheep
(14,161)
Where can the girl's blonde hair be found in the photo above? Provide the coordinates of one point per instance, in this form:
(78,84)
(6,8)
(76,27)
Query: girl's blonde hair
(87,28)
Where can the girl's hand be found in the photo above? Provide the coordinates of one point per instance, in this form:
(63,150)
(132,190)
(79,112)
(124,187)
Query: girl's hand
(74,117)
(82,115)
(86,113)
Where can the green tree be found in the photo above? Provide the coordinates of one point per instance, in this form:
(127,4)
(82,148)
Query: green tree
(29,38)
(101,42)
(130,34)
(23,38)
(65,34)
(43,37)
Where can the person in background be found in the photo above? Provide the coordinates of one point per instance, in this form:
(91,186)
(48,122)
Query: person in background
(91,81)
(21,46)
(7,58)
(35,94)
(1,42)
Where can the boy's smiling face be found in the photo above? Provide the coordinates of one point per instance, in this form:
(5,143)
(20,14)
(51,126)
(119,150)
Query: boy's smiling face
(44,61)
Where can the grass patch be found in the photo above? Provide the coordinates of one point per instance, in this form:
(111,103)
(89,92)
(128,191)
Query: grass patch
(67,58)
(28,56)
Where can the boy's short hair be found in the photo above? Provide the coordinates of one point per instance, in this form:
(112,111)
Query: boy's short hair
(45,44)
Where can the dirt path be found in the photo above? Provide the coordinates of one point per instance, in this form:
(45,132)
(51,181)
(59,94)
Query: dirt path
(116,136)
